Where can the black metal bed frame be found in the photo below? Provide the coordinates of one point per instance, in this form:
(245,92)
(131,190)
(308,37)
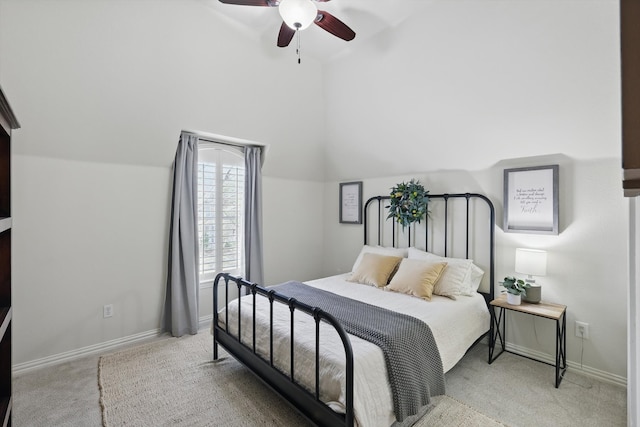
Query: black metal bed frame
(309,403)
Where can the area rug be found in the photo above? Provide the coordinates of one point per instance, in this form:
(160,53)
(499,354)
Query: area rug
(174,382)
(449,412)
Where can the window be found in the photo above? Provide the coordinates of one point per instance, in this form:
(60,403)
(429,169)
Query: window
(220,210)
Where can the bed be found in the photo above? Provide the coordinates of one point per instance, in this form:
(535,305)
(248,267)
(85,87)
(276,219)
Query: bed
(333,377)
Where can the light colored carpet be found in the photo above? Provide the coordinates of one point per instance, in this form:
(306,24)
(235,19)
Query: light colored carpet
(174,382)
(520,393)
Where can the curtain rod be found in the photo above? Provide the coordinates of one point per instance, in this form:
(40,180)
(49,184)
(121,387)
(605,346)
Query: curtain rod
(230,141)
(225,140)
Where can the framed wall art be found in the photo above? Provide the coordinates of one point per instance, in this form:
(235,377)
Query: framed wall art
(531,200)
(351,202)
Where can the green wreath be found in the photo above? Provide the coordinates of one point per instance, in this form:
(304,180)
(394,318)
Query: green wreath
(409,202)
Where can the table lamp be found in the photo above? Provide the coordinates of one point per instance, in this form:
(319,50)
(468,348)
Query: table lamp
(532,262)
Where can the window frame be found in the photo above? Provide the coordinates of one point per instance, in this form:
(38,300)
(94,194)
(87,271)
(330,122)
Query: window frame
(219,154)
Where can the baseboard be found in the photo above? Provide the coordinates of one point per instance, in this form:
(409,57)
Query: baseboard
(204,322)
(571,366)
(84,351)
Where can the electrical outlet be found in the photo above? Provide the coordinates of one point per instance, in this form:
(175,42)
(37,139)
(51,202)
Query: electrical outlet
(107,311)
(582,330)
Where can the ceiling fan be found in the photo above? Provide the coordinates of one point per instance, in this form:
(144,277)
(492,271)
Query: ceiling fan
(298,15)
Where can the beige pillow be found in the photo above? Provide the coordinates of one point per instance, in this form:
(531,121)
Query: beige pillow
(461,277)
(417,277)
(375,269)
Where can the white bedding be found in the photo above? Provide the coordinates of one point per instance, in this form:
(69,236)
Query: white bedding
(455,326)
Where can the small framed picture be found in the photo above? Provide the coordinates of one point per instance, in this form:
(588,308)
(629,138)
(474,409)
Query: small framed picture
(531,200)
(351,202)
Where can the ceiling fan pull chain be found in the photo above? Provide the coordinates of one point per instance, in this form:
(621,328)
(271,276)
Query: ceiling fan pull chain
(298,47)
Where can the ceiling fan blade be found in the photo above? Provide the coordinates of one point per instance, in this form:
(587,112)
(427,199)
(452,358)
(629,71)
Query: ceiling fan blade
(285,35)
(267,3)
(330,23)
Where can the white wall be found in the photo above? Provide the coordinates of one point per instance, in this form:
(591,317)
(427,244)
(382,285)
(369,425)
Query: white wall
(466,89)
(102,89)
(633,363)
(467,83)
(85,234)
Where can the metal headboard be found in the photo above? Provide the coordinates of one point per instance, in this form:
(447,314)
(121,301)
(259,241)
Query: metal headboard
(450,220)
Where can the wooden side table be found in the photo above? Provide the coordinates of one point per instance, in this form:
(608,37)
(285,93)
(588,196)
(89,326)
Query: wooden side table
(557,312)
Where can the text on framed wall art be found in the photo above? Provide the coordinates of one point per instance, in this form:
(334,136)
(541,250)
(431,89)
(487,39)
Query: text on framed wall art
(531,200)
(351,202)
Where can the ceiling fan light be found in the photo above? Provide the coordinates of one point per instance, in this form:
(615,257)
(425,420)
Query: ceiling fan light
(298,14)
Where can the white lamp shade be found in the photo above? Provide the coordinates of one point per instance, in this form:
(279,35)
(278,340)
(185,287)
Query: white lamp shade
(531,261)
(298,14)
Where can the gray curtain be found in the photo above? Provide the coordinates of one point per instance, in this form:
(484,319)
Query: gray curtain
(181,303)
(253,215)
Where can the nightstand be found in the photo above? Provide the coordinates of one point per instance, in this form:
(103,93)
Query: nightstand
(557,312)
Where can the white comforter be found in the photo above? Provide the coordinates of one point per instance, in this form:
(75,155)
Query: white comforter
(455,326)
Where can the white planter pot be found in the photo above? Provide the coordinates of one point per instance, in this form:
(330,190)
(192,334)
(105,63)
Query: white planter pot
(514,299)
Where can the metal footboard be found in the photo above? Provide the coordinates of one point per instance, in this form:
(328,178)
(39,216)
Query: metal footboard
(307,403)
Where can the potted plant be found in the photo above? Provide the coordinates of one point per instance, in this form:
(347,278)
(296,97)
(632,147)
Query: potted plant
(515,288)
(409,202)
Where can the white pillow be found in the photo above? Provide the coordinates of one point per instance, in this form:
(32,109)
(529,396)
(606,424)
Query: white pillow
(474,279)
(460,277)
(380,250)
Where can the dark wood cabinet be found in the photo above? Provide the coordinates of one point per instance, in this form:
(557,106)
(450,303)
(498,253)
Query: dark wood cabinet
(8,122)
(630,66)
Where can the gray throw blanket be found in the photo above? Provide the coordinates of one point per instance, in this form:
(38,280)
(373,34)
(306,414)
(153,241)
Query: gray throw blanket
(410,351)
